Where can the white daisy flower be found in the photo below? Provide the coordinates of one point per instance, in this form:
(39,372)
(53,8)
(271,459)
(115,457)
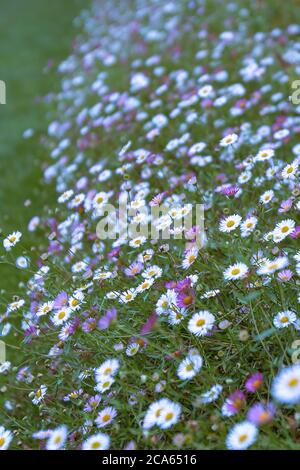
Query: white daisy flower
(190,257)
(241,436)
(228,140)
(61,316)
(106,416)
(99,441)
(57,438)
(286,385)
(44,309)
(266,197)
(107,369)
(211,395)
(153,413)
(39,394)
(15,305)
(230,223)
(290,170)
(104,384)
(128,296)
(137,242)
(12,240)
(64,197)
(153,271)
(169,415)
(189,367)
(244,177)
(236,271)
(201,323)
(284,319)
(283,229)
(132,349)
(264,154)
(145,285)
(5,438)
(248,226)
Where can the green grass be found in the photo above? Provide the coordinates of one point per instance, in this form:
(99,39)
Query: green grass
(31,34)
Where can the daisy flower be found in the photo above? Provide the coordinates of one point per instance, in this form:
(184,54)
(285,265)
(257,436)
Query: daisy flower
(153,413)
(61,316)
(284,319)
(57,438)
(152,271)
(39,394)
(44,309)
(145,285)
(211,395)
(5,438)
(236,271)
(106,416)
(104,384)
(132,349)
(98,441)
(15,305)
(241,436)
(166,302)
(266,197)
(290,170)
(128,296)
(248,226)
(254,382)
(228,140)
(137,242)
(189,367)
(264,154)
(201,323)
(230,223)
(169,415)
(109,368)
(11,240)
(260,414)
(286,385)
(190,257)
(283,229)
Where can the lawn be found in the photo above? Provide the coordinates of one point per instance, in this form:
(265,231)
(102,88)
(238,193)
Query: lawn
(34,37)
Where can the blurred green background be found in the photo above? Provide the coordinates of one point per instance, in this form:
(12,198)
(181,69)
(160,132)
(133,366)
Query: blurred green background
(33,34)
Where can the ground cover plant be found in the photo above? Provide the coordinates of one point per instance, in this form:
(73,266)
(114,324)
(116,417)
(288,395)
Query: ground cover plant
(134,342)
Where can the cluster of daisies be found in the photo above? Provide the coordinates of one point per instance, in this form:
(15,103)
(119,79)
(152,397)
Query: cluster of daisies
(146,339)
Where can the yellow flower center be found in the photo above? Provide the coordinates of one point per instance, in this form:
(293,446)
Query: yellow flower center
(230,223)
(293,382)
(169,416)
(284,319)
(200,322)
(95,445)
(235,271)
(2,441)
(242,437)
